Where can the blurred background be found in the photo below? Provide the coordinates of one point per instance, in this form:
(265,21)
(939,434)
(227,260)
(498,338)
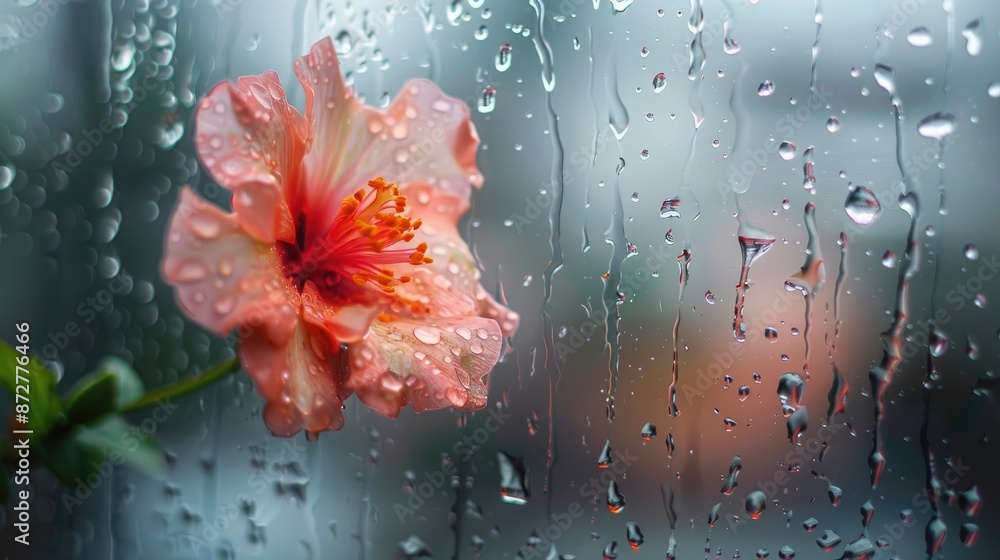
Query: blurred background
(616,135)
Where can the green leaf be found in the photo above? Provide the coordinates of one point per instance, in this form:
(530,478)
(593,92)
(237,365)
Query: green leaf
(99,448)
(43,402)
(95,398)
(68,458)
(127,381)
(125,444)
(112,386)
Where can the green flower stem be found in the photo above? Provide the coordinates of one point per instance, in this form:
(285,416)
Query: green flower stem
(184,386)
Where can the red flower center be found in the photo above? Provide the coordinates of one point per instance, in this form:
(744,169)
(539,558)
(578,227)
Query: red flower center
(354,256)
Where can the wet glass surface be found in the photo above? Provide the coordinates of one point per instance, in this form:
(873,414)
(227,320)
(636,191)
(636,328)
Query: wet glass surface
(751,244)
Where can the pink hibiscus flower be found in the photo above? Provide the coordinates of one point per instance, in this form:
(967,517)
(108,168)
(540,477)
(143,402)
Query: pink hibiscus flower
(340,267)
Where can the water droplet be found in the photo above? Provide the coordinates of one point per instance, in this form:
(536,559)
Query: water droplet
(488,101)
(670,208)
(427,335)
(973,39)
(744,392)
(833,124)
(634,535)
(648,432)
(786,150)
(732,478)
(513,479)
(937,126)
(503,58)
(919,37)
(412,548)
(605,459)
(481,33)
(889,259)
(644,52)
(937,342)
(993,90)
(713,514)
(616,500)
(828,540)
(710,297)
(766,88)
(968,533)
(343,43)
(862,206)
(971,252)
(755,504)
(790,387)
(659,82)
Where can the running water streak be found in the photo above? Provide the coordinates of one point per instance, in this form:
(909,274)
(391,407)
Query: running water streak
(698,116)
(555,232)
(754,243)
(618,120)
(818,19)
(426,10)
(949,7)
(936,530)
(809,278)
(892,339)
(683,262)
(696,25)
(838,385)
(838,288)
(881,375)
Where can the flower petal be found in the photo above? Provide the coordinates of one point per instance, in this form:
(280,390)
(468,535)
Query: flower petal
(429,365)
(425,136)
(224,277)
(446,287)
(345,324)
(252,142)
(300,380)
(507,318)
